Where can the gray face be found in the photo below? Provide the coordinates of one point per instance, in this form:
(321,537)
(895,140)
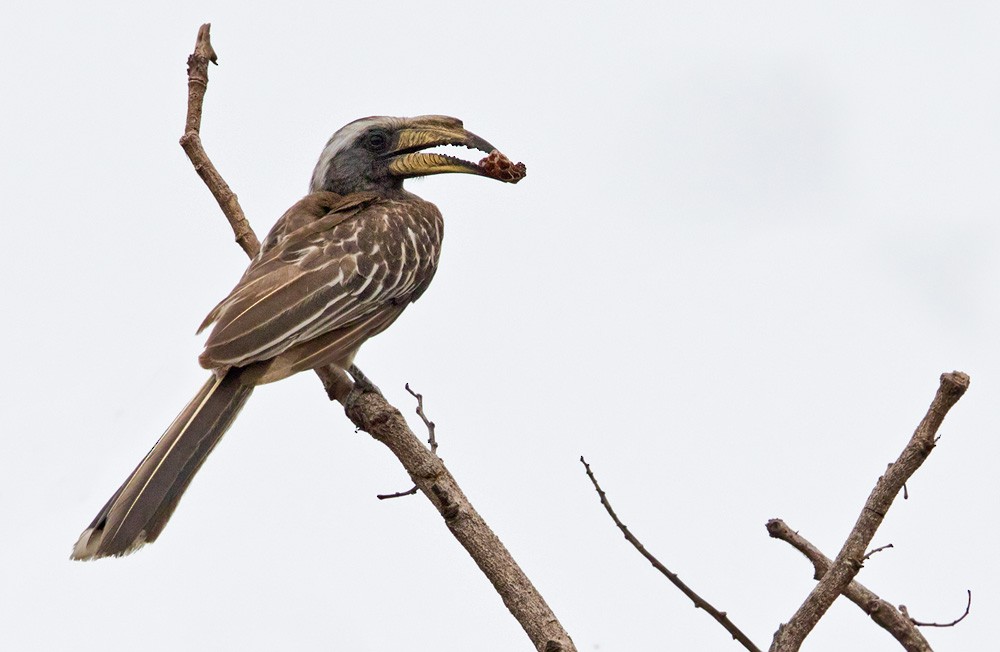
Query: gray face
(353,161)
(376,154)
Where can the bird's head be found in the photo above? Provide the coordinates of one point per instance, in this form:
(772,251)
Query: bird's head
(378,153)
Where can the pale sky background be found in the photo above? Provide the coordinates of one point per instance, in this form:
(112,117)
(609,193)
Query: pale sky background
(751,237)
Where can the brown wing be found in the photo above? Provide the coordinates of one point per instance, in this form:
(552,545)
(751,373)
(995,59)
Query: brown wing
(317,291)
(304,217)
(336,347)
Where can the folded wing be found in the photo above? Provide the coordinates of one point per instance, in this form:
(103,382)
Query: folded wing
(333,272)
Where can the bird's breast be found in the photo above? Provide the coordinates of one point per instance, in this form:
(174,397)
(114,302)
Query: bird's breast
(400,242)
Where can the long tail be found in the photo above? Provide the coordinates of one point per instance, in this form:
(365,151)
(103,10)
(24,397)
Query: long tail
(141,507)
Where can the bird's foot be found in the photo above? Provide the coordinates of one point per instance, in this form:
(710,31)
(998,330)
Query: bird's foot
(361,382)
(352,398)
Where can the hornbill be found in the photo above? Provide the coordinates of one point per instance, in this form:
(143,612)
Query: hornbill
(337,268)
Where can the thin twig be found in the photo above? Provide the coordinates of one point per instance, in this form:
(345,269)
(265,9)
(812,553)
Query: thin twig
(427,422)
(876,550)
(399,494)
(884,614)
(968,605)
(699,602)
(373,414)
(845,567)
(430,440)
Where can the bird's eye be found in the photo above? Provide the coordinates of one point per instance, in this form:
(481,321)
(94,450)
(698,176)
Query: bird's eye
(377,141)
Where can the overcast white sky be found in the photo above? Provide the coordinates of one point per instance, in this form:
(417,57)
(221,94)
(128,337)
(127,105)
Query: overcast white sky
(751,237)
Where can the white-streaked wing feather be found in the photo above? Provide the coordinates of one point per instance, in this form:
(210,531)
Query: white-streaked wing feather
(325,275)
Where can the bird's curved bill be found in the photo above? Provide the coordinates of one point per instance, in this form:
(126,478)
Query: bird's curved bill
(407,160)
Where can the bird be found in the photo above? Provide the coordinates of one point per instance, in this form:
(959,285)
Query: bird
(337,268)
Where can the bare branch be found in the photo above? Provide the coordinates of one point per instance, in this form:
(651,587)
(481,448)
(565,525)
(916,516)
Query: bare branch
(880,611)
(968,605)
(845,567)
(191,142)
(699,602)
(373,414)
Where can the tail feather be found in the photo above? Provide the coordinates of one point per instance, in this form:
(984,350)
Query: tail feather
(139,510)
